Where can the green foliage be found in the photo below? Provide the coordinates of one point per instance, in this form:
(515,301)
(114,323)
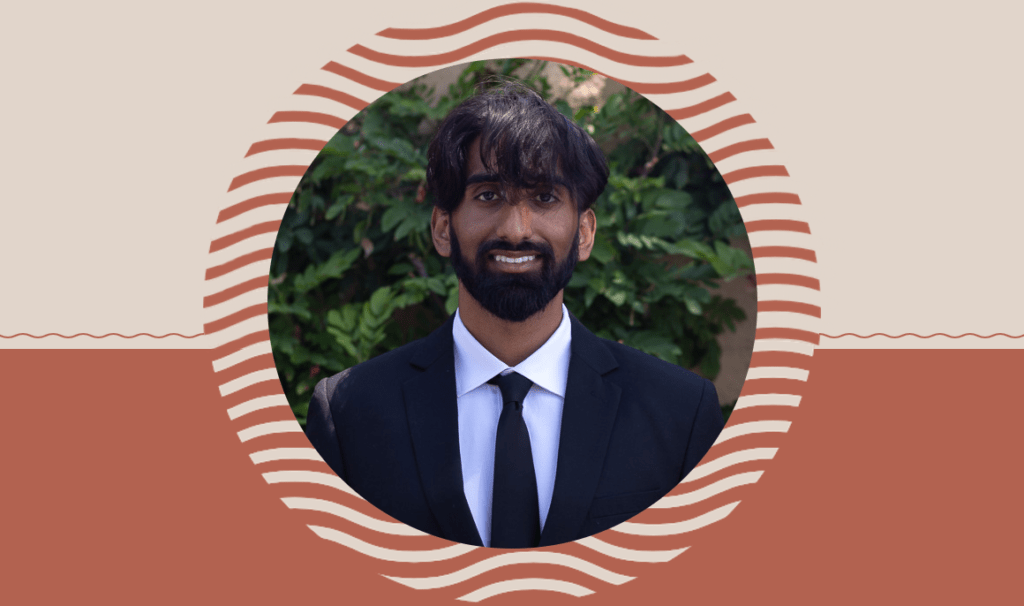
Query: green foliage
(354,272)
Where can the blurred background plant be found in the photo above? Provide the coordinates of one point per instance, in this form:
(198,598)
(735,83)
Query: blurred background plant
(354,273)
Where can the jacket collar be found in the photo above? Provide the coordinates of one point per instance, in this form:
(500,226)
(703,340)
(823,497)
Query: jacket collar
(588,416)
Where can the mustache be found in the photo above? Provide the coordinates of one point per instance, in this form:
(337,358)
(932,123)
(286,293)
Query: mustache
(542,249)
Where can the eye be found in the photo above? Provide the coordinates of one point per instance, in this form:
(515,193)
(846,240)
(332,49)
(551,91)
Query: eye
(488,196)
(547,198)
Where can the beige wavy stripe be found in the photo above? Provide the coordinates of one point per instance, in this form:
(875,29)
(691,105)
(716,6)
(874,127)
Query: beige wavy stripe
(752,427)
(391,555)
(266,429)
(309,477)
(258,403)
(711,490)
(708,467)
(674,528)
(650,556)
(489,591)
(339,510)
(285,454)
(510,559)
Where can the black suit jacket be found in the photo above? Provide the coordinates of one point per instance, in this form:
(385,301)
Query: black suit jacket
(632,427)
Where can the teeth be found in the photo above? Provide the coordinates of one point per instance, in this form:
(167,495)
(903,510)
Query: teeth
(505,259)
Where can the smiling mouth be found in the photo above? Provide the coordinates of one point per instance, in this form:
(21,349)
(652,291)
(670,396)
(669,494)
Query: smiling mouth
(513,260)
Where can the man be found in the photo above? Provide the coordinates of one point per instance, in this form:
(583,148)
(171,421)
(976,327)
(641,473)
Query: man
(512,425)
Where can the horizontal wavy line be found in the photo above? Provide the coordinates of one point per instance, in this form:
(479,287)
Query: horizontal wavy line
(753,172)
(309,118)
(701,108)
(778,225)
(489,591)
(706,468)
(644,88)
(346,513)
(315,90)
(269,172)
(523,35)
(739,148)
(651,556)
(444,31)
(914,334)
(253,203)
(282,144)
(392,555)
(309,477)
(109,334)
(674,528)
(721,127)
(511,559)
(714,489)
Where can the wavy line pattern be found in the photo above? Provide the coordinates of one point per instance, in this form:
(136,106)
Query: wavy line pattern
(914,334)
(109,334)
(788,315)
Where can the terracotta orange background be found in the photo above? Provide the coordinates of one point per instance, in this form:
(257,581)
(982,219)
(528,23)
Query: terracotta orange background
(898,483)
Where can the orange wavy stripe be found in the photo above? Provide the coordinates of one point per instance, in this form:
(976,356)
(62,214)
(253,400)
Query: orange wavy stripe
(443,31)
(265,200)
(787,333)
(914,334)
(315,90)
(308,118)
(232,319)
(246,259)
(522,35)
(267,173)
(768,198)
(790,279)
(778,225)
(753,172)
(702,107)
(109,334)
(277,144)
(359,77)
(242,234)
(739,148)
(788,252)
(232,346)
(644,88)
(723,126)
(791,306)
(230,293)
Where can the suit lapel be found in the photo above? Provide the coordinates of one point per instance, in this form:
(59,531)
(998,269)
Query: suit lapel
(588,416)
(432,409)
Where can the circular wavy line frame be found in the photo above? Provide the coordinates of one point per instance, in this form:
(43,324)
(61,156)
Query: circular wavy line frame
(235,307)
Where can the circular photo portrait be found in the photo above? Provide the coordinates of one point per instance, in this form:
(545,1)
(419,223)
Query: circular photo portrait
(512,303)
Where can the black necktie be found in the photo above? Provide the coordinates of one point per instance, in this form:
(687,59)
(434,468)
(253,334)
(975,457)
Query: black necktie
(515,516)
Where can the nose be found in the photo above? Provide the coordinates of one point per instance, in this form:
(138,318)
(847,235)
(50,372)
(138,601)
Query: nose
(516,222)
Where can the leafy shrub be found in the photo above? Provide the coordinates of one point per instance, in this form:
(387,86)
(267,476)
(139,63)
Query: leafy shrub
(354,273)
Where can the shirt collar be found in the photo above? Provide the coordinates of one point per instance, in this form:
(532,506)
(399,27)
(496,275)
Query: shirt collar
(548,367)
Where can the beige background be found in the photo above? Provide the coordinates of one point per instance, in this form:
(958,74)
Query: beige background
(123,125)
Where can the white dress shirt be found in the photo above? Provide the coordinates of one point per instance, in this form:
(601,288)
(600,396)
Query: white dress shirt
(480,406)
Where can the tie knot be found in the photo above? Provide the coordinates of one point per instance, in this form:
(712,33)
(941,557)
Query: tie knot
(513,386)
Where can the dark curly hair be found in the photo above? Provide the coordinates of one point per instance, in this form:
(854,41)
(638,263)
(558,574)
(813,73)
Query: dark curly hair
(528,141)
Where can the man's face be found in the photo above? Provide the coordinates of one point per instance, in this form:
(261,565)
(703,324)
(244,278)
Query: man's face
(514,250)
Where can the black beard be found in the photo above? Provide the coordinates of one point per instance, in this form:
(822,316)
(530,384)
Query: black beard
(518,296)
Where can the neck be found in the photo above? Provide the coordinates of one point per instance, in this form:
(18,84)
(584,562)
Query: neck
(510,342)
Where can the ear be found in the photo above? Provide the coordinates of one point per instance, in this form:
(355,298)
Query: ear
(588,227)
(440,222)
